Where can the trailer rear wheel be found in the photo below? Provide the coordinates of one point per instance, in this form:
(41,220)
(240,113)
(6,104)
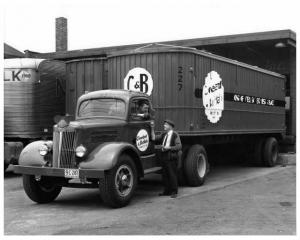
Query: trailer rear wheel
(43,191)
(119,183)
(196,165)
(270,153)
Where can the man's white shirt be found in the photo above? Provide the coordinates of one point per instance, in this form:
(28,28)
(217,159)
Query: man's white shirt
(168,141)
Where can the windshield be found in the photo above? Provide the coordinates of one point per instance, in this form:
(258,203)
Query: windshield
(102,107)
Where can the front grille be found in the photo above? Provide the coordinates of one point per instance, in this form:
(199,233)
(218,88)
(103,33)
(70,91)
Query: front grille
(64,144)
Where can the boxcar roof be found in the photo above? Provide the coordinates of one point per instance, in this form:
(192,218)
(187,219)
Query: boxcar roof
(86,59)
(112,93)
(162,48)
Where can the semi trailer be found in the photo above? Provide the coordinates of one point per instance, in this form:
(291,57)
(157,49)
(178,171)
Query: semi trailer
(212,100)
(34,92)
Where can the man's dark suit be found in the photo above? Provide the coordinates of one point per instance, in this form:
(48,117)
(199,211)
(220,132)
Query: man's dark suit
(169,161)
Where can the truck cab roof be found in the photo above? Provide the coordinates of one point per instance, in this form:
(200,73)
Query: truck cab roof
(125,95)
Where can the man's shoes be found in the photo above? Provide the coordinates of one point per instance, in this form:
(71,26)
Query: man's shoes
(164,194)
(174,195)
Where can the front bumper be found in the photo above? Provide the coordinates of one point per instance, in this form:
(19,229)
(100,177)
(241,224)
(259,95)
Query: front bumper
(57,172)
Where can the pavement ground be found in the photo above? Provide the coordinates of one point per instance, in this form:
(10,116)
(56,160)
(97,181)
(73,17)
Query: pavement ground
(235,199)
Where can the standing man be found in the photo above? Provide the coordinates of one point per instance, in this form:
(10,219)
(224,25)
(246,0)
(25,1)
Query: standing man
(171,145)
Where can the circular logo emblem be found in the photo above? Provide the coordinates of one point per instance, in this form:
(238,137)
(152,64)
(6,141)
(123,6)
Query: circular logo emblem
(26,76)
(139,80)
(213,97)
(142,140)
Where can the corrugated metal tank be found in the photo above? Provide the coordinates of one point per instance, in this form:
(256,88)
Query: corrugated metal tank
(83,75)
(179,79)
(34,92)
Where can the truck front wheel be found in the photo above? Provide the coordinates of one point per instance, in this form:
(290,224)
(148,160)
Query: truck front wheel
(196,165)
(42,191)
(119,183)
(270,153)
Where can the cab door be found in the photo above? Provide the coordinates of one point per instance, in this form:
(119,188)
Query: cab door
(140,133)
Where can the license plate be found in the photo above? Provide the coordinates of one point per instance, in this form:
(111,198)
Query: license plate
(71,173)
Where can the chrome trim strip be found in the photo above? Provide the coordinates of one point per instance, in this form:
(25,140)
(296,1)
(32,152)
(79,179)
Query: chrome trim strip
(150,170)
(147,156)
(59,148)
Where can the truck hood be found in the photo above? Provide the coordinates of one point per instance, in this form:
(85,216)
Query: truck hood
(97,122)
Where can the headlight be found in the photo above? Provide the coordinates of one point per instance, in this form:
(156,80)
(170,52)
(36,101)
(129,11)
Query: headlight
(49,144)
(80,151)
(43,150)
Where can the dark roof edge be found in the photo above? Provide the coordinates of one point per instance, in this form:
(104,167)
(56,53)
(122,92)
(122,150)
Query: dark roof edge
(102,52)
(169,49)
(12,52)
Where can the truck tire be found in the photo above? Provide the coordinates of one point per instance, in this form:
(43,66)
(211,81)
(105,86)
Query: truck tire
(43,191)
(118,185)
(258,152)
(196,165)
(270,152)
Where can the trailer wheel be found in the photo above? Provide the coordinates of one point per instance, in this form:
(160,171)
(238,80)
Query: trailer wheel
(119,183)
(196,165)
(258,152)
(43,191)
(270,153)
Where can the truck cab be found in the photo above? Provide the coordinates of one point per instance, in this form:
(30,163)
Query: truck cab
(108,145)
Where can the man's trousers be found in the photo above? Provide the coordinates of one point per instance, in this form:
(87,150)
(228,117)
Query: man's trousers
(169,169)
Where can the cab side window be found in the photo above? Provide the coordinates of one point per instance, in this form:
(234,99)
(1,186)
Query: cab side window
(139,109)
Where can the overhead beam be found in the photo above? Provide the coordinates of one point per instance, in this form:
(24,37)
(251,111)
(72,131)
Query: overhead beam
(197,42)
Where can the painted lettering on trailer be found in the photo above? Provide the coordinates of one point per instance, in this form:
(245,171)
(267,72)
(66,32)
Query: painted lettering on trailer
(19,75)
(237,97)
(213,97)
(253,100)
(139,80)
(180,78)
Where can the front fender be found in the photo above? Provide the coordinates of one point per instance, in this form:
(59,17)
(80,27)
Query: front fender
(30,155)
(106,155)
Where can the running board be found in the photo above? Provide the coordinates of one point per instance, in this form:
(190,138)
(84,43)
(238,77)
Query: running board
(151,170)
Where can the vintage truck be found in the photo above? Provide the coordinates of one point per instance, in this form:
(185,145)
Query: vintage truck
(108,146)
(213,101)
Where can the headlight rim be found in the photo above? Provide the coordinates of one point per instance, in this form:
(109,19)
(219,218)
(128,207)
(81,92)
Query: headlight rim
(43,150)
(80,149)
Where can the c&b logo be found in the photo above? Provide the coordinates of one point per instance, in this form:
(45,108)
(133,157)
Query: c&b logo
(139,80)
